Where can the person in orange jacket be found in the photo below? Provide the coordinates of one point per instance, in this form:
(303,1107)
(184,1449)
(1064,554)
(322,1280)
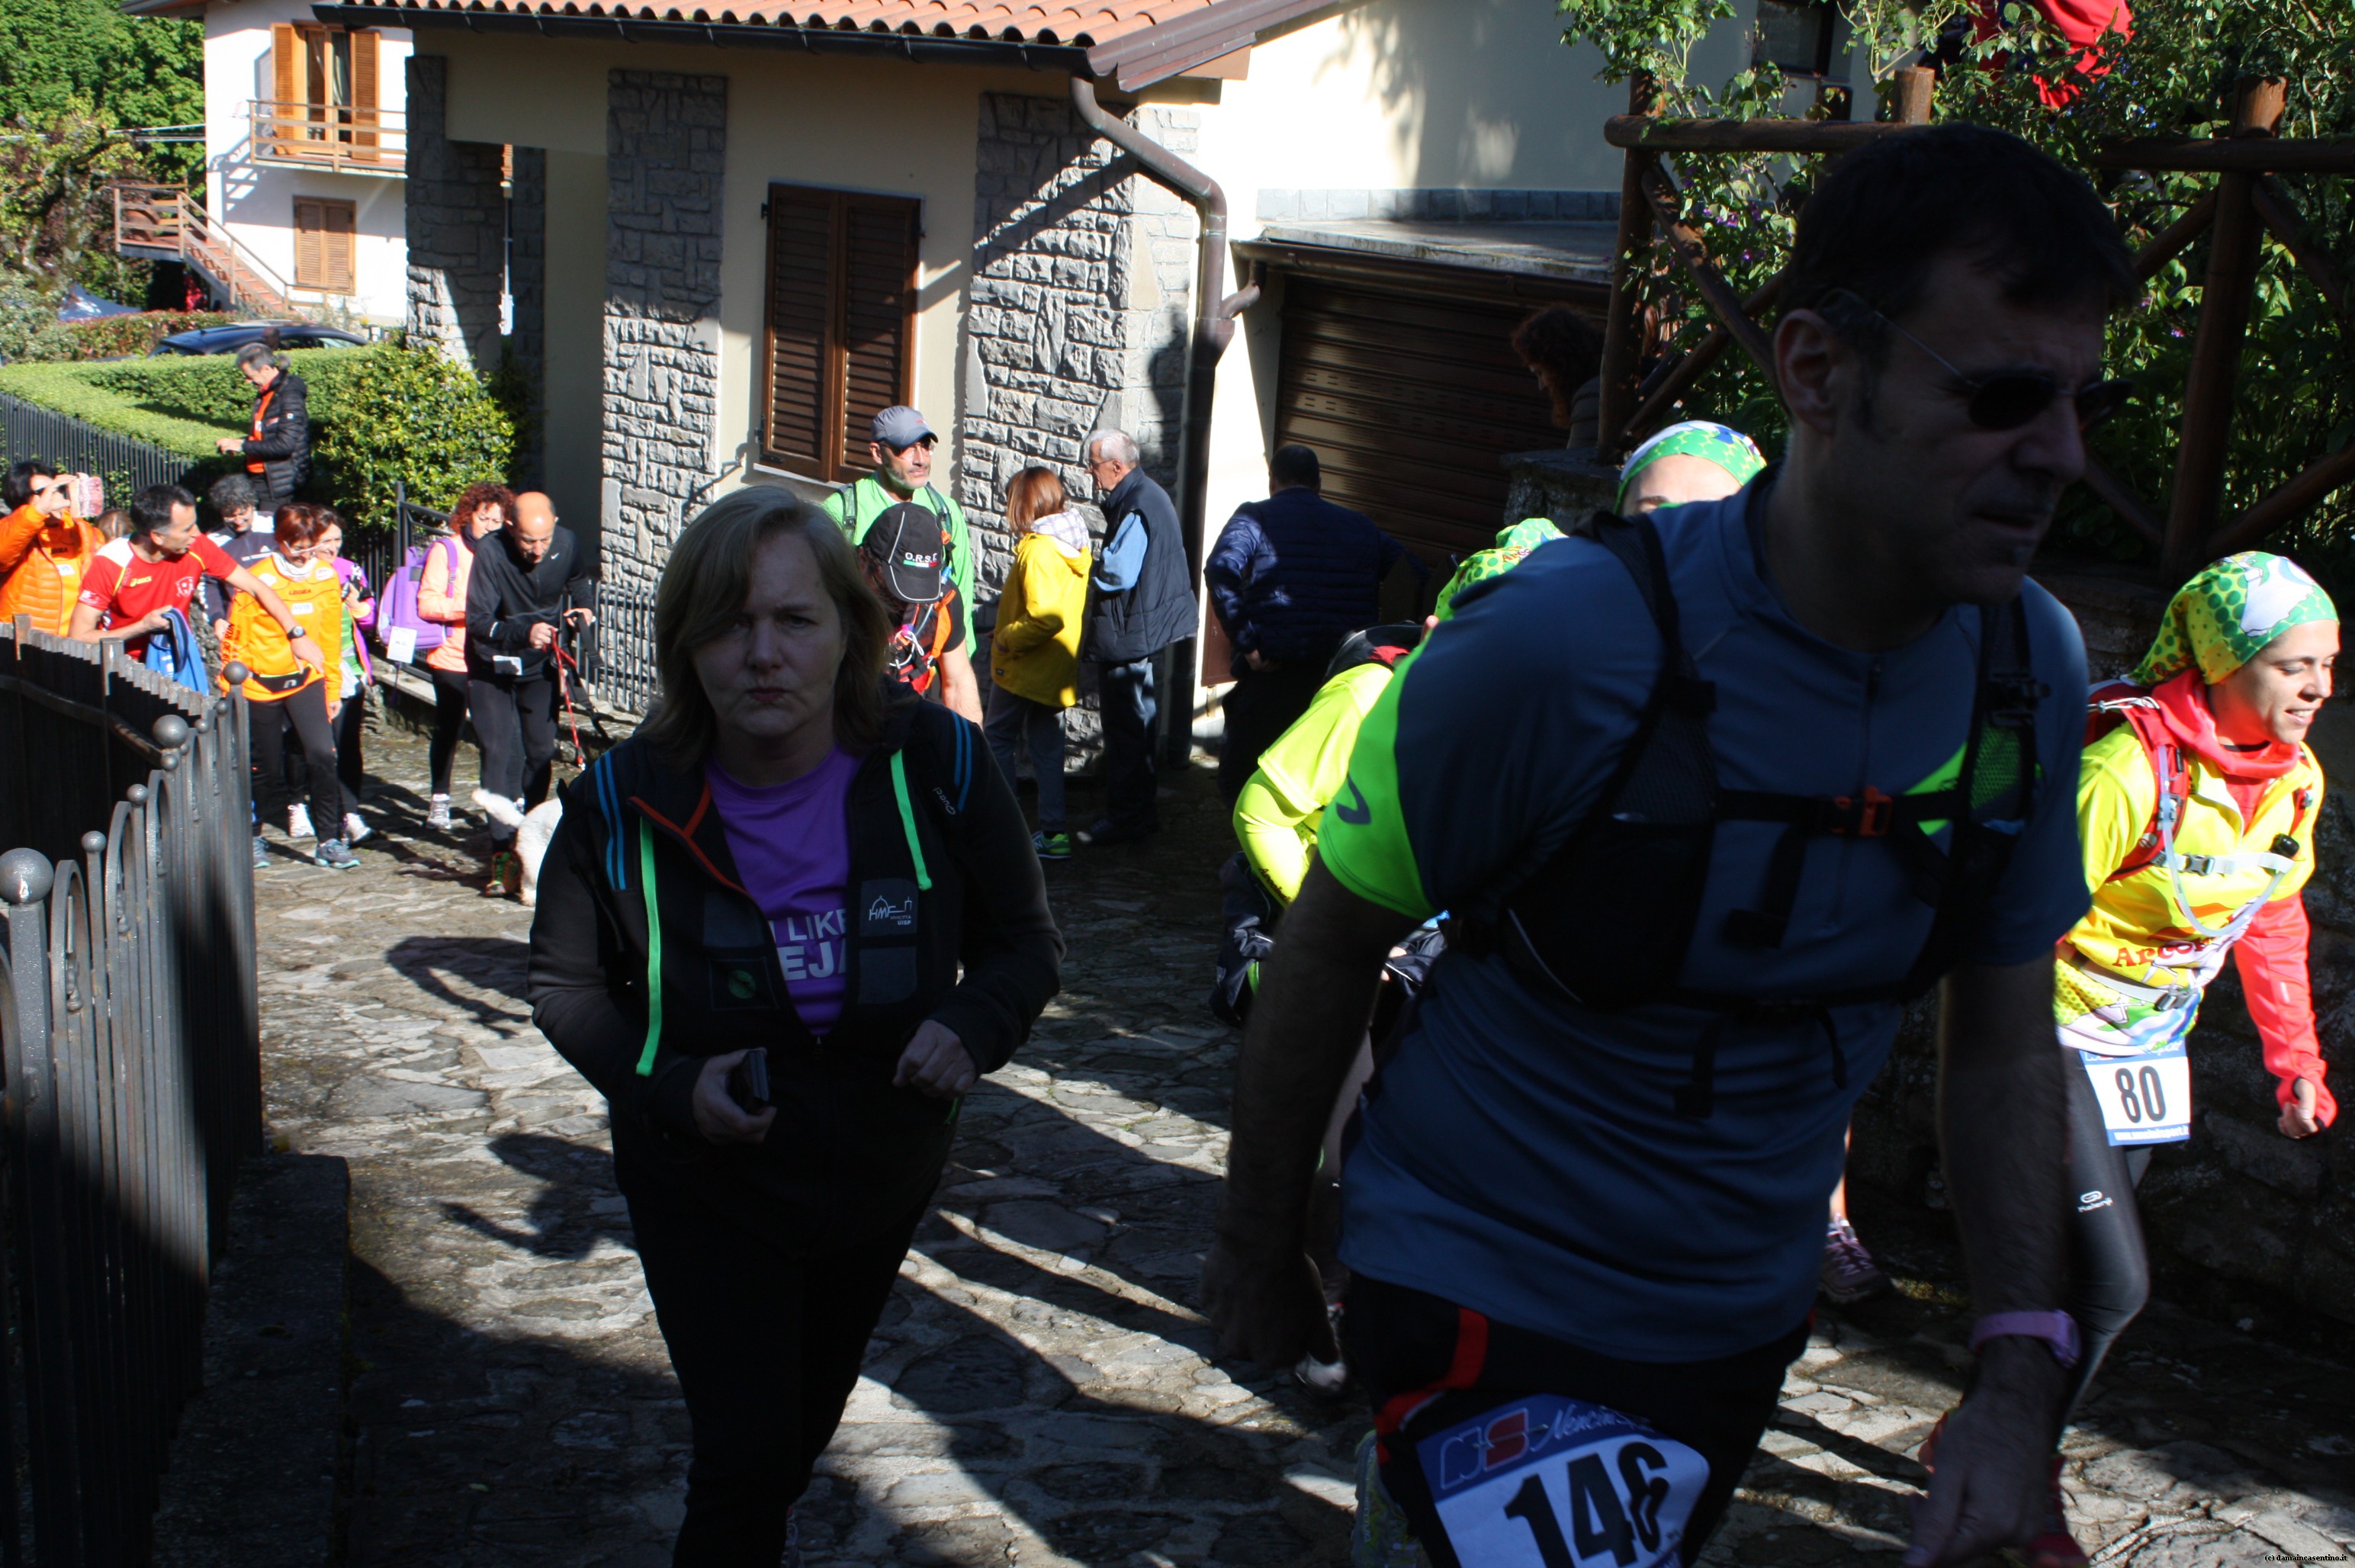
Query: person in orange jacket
(44,547)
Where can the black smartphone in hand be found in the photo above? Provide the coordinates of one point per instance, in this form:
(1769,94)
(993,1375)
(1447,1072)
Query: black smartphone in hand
(748,1084)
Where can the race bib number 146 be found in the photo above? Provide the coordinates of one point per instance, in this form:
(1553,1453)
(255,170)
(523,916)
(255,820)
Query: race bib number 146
(1546,1482)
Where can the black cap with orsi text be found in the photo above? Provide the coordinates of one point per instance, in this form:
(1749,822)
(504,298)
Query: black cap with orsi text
(906,547)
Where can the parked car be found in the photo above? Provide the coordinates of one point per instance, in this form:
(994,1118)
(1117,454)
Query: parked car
(237,334)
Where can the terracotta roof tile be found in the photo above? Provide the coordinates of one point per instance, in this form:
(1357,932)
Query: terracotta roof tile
(1086,24)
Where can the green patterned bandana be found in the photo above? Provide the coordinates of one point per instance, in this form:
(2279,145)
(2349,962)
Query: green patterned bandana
(1512,546)
(2221,618)
(1721,445)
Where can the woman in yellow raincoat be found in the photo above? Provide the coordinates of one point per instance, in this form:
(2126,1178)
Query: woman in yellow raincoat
(2196,813)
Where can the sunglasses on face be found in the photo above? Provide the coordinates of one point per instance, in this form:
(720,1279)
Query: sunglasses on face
(2010,398)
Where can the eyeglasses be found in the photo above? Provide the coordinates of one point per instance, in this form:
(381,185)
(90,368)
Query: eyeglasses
(2010,398)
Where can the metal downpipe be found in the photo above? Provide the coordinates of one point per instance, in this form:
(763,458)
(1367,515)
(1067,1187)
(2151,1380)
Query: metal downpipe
(1214,328)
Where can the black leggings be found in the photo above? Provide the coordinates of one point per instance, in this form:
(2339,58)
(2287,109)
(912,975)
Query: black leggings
(306,713)
(449,724)
(767,1346)
(515,724)
(2109,1271)
(351,719)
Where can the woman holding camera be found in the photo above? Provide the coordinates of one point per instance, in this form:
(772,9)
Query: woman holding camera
(782,928)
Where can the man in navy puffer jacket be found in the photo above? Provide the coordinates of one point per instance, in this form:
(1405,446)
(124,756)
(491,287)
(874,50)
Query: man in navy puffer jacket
(1291,576)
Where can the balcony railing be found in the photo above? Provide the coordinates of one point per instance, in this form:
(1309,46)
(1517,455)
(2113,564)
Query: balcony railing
(331,135)
(162,222)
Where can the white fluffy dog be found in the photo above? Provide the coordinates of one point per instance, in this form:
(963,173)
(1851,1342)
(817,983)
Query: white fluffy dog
(532,833)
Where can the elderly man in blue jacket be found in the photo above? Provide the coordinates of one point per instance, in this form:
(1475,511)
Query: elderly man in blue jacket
(1291,576)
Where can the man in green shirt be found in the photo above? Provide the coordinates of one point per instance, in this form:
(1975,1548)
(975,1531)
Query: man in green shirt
(901,444)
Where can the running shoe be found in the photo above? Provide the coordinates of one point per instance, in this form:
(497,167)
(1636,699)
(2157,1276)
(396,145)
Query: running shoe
(437,813)
(354,828)
(1849,1274)
(1381,1537)
(336,855)
(1331,1378)
(260,854)
(507,875)
(298,822)
(1052,846)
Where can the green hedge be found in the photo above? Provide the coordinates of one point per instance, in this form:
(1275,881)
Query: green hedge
(115,336)
(379,415)
(70,389)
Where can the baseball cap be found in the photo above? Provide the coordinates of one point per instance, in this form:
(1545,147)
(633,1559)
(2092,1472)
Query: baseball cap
(905,542)
(900,427)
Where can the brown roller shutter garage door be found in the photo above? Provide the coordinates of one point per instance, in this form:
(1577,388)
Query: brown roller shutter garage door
(1410,398)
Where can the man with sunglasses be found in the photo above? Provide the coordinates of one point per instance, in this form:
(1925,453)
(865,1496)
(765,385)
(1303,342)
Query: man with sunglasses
(900,444)
(45,549)
(1796,762)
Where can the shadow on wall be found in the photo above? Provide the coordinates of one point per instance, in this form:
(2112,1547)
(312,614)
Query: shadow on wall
(1482,92)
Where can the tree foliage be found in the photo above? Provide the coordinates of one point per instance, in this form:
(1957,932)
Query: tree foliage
(2296,394)
(76,77)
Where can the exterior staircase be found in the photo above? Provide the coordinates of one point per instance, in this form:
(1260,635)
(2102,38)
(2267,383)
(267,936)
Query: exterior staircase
(165,223)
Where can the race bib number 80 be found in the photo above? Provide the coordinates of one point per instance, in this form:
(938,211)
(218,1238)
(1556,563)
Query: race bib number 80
(1546,1482)
(2145,1099)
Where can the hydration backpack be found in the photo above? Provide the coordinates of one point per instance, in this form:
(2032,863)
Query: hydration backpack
(1606,921)
(397,606)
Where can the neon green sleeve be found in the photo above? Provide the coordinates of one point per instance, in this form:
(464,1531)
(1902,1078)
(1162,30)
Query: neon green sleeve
(1272,833)
(1363,839)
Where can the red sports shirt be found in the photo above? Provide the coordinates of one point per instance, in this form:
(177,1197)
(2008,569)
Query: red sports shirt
(122,588)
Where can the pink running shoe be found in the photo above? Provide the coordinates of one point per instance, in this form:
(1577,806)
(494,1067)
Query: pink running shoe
(1849,1274)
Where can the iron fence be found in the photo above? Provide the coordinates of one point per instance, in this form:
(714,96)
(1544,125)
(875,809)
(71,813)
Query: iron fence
(617,650)
(126,463)
(382,551)
(133,1078)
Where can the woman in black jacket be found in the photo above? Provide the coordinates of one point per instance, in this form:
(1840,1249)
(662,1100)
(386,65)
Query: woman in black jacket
(784,859)
(278,452)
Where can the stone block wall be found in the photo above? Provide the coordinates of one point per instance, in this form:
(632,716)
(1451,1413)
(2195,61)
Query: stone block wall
(1083,275)
(457,225)
(665,151)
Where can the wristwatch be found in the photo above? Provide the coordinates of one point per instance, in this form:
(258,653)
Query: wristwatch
(2057,1329)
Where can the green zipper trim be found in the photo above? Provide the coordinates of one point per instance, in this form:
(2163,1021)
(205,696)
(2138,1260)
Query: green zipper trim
(908,819)
(654,951)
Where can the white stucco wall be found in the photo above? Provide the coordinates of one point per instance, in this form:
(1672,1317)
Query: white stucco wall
(255,200)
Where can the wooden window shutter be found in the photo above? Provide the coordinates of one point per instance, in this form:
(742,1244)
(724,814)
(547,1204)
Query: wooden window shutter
(364,102)
(800,334)
(878,315)
(285,64)
(338,228)
(841,315)
(309,243)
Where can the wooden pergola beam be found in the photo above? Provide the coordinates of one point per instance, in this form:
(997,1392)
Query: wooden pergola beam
(1650,134)
(1623,328)
(2169,241)
(2281,214)
(2317,480)
(2113,493)
(1666,384)
(1722,302)
(2257,106)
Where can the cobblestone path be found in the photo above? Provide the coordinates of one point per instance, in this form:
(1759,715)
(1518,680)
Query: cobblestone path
(1040,1391)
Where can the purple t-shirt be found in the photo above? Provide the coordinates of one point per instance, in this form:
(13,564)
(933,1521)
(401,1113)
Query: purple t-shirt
(792,844)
